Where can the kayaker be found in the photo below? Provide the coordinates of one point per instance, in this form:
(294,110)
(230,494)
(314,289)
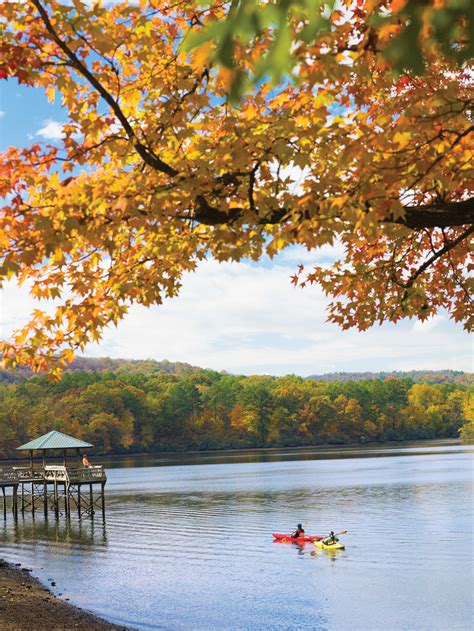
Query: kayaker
(299,531)
(331,539)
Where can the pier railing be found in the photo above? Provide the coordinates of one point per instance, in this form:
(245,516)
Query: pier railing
(27,474)
(74,475)
(52,473)
(8,476)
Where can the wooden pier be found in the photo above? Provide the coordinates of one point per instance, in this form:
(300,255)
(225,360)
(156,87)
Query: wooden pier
(55,488)
(62,489)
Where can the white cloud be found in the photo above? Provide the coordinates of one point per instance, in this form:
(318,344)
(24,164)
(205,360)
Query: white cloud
(426,326)
(299,254)
(2,114)
(51,130)
(250,319)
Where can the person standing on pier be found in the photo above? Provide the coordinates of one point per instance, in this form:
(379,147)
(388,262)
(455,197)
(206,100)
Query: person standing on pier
(85,461)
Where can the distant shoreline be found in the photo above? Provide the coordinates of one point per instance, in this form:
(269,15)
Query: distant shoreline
(26,604)
(322,447)
(233,450)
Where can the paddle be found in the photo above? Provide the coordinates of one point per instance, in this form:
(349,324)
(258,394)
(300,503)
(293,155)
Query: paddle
(342,532)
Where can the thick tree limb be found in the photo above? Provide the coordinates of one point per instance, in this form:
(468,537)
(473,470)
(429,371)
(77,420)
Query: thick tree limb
(437,215)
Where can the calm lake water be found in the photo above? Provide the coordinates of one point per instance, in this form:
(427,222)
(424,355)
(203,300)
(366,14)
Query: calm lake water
(187,541)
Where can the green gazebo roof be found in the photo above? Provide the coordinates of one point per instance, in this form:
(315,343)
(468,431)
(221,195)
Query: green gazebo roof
(54,440)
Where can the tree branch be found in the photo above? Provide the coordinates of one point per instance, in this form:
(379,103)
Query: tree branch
(437,215)
(449,245)
(148,156)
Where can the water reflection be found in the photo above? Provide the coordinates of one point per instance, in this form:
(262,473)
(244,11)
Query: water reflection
(332,554)
(284,455)
(66,532)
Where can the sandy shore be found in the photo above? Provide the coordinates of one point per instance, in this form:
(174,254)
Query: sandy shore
(26,604)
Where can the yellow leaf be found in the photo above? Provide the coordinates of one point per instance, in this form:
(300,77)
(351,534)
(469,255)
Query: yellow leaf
(402,139)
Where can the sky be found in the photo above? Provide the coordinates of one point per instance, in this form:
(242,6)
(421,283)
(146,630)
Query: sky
(244,318)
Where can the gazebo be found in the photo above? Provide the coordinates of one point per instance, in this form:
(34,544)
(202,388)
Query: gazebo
(54,441)
(59,487)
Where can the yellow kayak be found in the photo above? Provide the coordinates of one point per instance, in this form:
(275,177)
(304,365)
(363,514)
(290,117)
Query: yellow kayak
(329,546)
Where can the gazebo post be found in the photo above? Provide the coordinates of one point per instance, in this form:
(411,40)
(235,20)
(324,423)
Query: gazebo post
(32,487)
(45,486)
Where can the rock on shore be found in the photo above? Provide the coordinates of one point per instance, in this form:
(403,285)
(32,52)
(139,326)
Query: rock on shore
(26,604)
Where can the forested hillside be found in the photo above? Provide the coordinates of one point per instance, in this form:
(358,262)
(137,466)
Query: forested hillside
(417,376)
(128,411)
(146,366)
(101,364)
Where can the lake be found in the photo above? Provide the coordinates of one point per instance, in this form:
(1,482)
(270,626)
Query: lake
(187,541)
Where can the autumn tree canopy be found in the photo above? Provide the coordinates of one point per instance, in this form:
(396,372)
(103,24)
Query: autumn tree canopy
(134,411)
(160,166)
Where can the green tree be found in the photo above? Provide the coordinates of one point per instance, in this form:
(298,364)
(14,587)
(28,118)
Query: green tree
(256,397)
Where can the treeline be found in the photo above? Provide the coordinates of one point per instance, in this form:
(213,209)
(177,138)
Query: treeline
(133,412)
(417,376)
(107,364)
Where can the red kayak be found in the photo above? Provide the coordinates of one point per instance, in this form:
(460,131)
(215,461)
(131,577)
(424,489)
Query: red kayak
(288,538)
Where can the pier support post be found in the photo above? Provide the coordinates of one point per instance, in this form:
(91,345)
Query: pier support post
(67,499)
(4,503)
(22,497)
(79,500)
(32,491)
(102,487)
(91,499)
(15,502)
(56,499)
(45,498)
